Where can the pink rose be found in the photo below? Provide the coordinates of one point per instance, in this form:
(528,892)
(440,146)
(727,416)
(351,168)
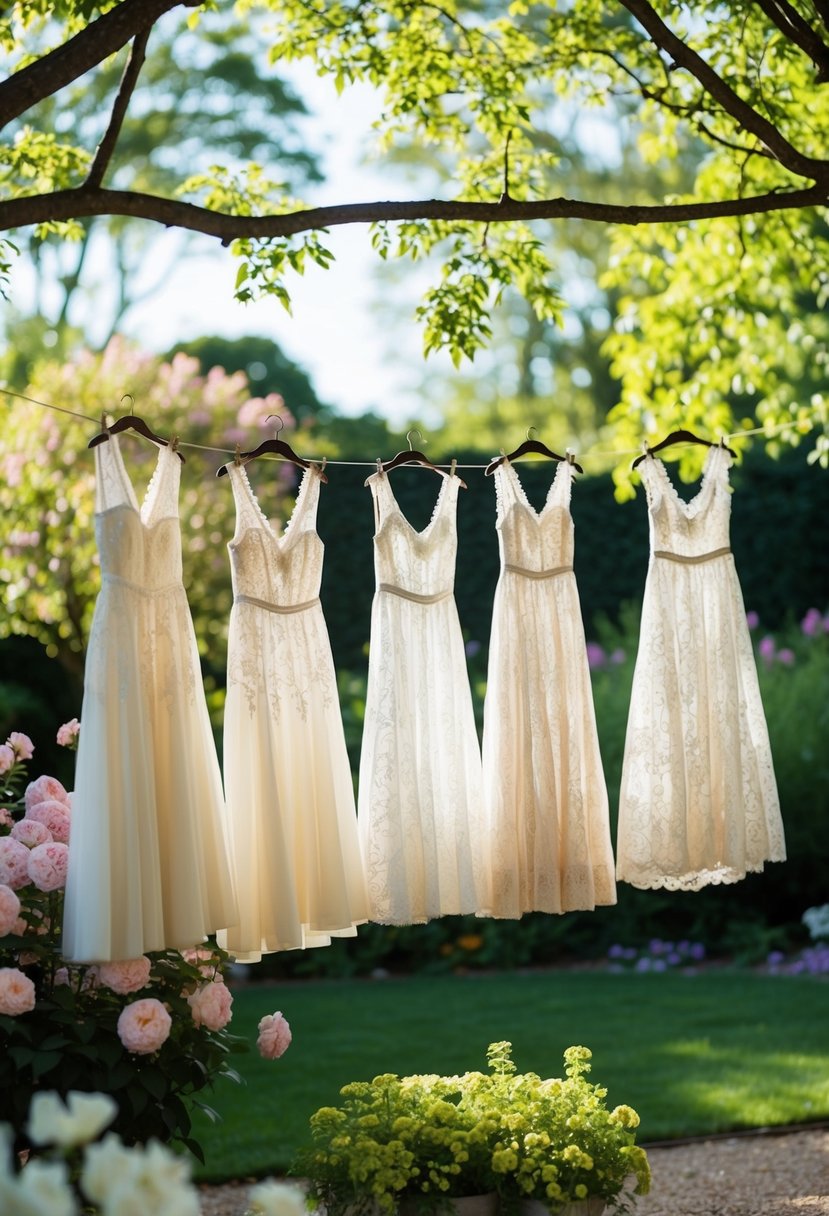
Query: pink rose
(203,959)
(21,745)
(53,815)
(126,976)
(17,992)
(9,910)
(210,1005)
(14,863)
(7,757)
(144,1025)
(19,927)
(61,977)
(44,790)
(31,832)
(6,819)
(68,733)
(274,1036)
(47,865)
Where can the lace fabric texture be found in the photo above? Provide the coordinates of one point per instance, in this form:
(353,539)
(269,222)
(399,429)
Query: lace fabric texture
(547,825)
(148,867)
(420,798)
(288,782)
(698,802)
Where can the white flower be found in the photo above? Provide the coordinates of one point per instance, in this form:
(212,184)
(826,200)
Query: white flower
(137,1181)
(82,1119)
(816,921)
(271,1198)
(41,1189)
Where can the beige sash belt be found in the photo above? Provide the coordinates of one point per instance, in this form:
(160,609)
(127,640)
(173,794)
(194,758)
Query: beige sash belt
(691,561)
(125,582)
(250,599)
(413,596)
(538,573)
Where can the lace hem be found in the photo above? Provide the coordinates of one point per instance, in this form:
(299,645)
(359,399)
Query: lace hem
(722,876)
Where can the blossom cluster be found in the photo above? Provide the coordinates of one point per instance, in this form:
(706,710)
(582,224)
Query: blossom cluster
(72,1174)
(431,1138)
(657,955)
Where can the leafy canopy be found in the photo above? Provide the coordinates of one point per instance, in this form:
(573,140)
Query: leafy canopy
(723,286)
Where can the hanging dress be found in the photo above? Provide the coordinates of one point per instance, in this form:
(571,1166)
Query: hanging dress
(419,803)
(547,819)
(288,783)
(698,801)
(148,864)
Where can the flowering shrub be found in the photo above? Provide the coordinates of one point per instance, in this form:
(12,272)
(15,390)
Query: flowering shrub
(432,1138)
(71,1175)
(813,960)
(150,1031)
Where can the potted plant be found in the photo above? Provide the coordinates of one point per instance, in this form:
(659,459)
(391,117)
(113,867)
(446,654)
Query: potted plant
(429,1143)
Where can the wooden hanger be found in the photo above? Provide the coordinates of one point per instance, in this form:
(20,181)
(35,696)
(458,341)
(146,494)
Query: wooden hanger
(681,436)
(130,422)
(530,445)
(279,447)
(412,456)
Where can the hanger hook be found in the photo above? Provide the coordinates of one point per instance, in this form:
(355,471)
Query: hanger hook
(128,397)
(413,431)
(281,423)
(531,428)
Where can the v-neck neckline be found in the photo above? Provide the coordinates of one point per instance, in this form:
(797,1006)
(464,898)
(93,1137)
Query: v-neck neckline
(419,535)
(279,538)
(143,508)
(522,493)
(692,507)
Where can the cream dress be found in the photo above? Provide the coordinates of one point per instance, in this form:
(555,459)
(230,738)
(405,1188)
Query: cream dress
(148,865)
(547,823)
(288,783)
(698,802)
(419,805)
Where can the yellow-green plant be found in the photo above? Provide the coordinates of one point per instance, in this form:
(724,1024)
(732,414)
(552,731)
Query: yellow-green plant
(432,1138)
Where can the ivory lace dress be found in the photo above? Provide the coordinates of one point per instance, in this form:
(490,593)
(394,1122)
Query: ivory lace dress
(419,803)
(698,801)
(148,865)
(288,782)
(547,822)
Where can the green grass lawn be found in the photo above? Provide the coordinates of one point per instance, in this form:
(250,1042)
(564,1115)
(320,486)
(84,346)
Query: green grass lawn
(691,1054)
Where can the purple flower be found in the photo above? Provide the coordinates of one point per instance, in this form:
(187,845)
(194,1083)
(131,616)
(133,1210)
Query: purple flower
(659,964)
(786,657)
(766,649)
(812,623)
(616,951)
(752,620)
(472,649)
(643,964)
(657,946)
(595,655)
(617,656)
(697,951)
(775,958)
(674,958)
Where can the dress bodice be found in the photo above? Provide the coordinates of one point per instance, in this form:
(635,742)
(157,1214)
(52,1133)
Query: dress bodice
(420,563)
(529,539)
(140,546)
(280,570)
(695,528)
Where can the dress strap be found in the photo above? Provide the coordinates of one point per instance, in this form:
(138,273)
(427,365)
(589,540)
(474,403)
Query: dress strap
(113,487)
(248,512)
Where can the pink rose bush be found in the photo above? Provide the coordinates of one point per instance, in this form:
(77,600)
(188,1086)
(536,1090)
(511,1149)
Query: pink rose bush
(274,1036)
(68,733)
(150,1030)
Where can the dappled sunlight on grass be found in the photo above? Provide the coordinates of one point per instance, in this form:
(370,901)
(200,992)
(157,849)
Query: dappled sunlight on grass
(691,1054)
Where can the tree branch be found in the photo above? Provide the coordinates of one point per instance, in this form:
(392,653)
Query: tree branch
(789,21)
(86,50)
(106,147)
(731,102)
(82,202)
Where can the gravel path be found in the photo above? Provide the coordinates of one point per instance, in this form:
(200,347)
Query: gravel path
(765,1174)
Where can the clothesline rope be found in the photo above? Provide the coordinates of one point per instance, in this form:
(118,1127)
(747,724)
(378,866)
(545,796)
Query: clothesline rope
(595,454)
